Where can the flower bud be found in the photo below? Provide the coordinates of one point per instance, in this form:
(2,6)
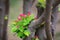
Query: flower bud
(23,15)
(19,18)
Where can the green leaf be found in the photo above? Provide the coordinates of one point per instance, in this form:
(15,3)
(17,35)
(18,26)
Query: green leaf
(6,17)
(30,18)
(36,39)
(27,32)
(21,28)
(33,38)
(59,9)
(21,35)
(14,23)
(14,29)
(20,23)
(25,22)
(43,3)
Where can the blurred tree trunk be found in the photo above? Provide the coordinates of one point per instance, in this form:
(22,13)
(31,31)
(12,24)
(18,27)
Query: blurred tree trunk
(4,7)
(2,13)
(6,20)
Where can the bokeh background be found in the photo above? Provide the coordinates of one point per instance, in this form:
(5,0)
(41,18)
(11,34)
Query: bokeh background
(16,7)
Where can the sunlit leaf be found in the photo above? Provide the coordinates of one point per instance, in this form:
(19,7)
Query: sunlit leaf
(13,29)
(27,32)
(21,29)
(20,34)
(21,26)
(42,3)
(6,17)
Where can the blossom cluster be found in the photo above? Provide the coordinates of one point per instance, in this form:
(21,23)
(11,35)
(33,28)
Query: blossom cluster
(20,26)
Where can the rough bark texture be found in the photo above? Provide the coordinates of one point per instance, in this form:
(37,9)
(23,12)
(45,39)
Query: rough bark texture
(40,31)
(34,24)
(48,13)
(41,15)
(54,21)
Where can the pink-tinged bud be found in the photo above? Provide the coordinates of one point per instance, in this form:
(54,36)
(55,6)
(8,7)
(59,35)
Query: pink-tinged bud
(19,18)
(29,13)
(21,14)
(24,16)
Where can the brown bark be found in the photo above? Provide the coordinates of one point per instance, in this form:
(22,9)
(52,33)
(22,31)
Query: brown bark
(48,13)
(2,11)
(40,18)
(35,24)
(3,24)
(6,20)
(40,31)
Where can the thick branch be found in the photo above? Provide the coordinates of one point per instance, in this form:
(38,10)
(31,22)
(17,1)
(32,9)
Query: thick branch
(56,3)
(39,20)
(48,13)
(42,17)
(34,24)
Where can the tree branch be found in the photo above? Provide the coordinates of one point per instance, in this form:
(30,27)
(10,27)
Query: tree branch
(56,3)
(48,13)
(34,24)
(40,19)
